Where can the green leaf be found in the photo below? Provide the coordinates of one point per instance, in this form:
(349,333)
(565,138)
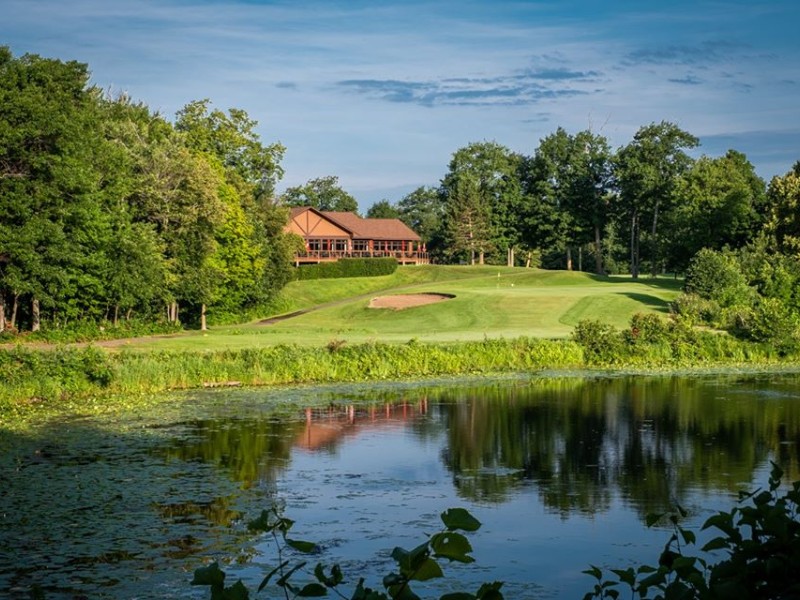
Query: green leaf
(210,575)
(237,591)
(594,572)
(688,536)
(284,525)
(305,547)
(313,590)
(429,569)
(402,592)
(653,518)
(393,579)
(722,521)
(683,562)
(460,518)
(263,523)
(490,591)
(646,569)
(451,545)
(717,543)
(269,576)
(418,555)
(657,578)
(335,578)
(626,576)
(284,580)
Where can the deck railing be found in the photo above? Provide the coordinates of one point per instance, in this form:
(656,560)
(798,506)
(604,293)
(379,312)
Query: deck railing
(312,256)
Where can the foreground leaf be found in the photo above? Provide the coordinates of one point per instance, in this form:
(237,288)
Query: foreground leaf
(460,518)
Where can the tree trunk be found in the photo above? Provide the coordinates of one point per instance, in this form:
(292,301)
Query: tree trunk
(511,258)
(203,317)
(598,251)
(654,269)
(480,257)
(14,312)
(2,313)
(635,245)
(116,314)
(569,258)
(35,323)
(173,312)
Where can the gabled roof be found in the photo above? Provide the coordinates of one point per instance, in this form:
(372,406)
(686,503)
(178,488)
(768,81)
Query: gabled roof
(373,229)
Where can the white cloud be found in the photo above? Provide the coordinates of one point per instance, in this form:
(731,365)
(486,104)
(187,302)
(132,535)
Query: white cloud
(381,94)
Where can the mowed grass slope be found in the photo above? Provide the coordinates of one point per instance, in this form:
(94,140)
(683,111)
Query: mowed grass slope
(489,302)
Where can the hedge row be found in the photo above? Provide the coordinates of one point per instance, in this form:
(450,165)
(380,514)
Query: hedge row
(348,267)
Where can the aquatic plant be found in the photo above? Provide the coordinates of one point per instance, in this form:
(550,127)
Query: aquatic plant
(416,565)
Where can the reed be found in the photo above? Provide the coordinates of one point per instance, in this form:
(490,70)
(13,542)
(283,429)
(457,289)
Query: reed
(68,375)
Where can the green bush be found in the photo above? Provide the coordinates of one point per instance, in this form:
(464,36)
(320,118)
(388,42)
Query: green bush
(695,309)
(773,322)
(347,267)
(774,275)
(602,343)
(647,328)
(87,331)
(717,276)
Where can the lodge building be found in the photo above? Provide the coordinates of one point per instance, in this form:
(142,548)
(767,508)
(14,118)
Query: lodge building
(329,236)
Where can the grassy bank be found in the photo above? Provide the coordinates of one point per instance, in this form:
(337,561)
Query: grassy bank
(67,375)
(500,320)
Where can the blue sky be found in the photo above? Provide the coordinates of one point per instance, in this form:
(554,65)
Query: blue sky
(381,93)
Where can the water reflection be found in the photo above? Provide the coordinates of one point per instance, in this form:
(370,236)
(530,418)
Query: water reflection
(577,441)
(249,450)
(103,510)
(649,440)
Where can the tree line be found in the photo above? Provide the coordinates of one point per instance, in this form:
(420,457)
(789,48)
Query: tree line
(647,207)
(108,211)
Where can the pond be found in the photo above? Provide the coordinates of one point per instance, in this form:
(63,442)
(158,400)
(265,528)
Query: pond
(560,471)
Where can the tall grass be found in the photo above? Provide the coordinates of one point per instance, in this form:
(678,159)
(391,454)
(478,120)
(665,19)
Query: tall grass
(72,374)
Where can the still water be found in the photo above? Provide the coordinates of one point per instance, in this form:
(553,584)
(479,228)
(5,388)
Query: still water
(561,472)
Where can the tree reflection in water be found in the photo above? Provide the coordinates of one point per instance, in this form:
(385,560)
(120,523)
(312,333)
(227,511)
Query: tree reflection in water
(649,440)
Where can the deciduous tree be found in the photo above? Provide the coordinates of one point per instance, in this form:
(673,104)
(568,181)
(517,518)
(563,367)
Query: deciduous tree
(322,193)
(648,169)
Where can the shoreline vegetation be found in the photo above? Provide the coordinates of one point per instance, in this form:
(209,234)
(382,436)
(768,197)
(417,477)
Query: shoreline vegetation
(79,378)
(498,321)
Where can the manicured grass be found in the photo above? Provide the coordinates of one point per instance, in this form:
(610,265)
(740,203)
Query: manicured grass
(490,302)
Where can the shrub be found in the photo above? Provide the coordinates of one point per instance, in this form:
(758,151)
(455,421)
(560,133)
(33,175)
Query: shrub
(347,267)
(601,342)
(696,309)
(773,322)
(647,328)
(717,276)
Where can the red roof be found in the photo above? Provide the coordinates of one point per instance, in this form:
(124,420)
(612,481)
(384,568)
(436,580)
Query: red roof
(373,229)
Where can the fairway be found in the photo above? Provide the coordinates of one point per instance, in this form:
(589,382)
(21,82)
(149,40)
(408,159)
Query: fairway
(488,302)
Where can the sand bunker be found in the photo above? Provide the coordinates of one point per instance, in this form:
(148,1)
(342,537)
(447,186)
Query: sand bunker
(402,301)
